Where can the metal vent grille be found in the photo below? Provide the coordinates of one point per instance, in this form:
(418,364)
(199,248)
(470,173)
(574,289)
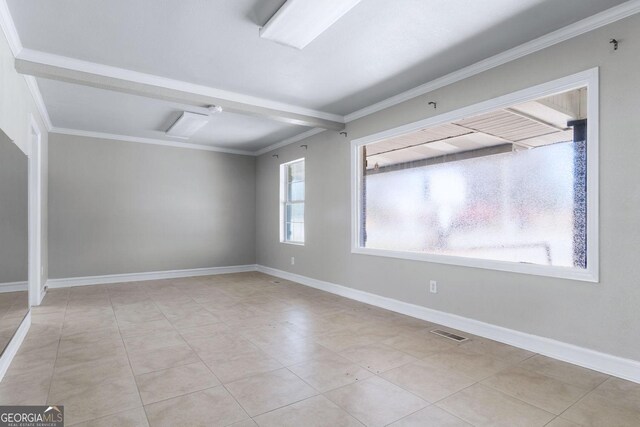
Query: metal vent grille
(449,335)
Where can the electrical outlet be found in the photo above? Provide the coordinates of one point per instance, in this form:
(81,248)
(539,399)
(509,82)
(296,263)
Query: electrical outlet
(433,287)
(293,260)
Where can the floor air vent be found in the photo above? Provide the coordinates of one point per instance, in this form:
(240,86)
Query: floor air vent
(449,335)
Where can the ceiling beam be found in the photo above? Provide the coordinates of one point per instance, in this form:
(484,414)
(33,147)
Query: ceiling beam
(70,70)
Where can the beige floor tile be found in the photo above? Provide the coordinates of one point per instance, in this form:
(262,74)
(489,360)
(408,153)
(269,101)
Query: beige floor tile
(90,373)
(565,372)
(329,372)
(73,354)
(86,343)
(431,416)
(539,390)
(561,422)
(498,350)
(189,410)
(418,345)
(152,327)
(624,393)
(375,401)
(151,342)
(131,418)
(377,357)
(614,403)
(246,423)
(25,389)
(475,365)
(162,358)
(595,411)
(39,359)
(272,390)
(220,346)
(232,366)
(197,317)
(430,383)
(133,314)
(203,331)
(83,403)
(483,406)
(295,352)
(173,382)
(342,339)
(316,411)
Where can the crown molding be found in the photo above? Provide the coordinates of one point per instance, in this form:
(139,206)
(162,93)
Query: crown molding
(13,39)
(296,138)
(116,137)
(9,28)
(591,23)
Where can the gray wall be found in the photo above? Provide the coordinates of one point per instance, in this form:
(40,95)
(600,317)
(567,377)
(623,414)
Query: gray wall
(122,207)
(601,316)
(14,213)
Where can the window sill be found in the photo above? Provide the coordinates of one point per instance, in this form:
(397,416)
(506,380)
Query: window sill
(523,268)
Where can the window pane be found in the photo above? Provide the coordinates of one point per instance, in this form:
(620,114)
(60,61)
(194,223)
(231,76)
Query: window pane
(296,172)
(294,232)
(518,206)
(295,191)
(295,212)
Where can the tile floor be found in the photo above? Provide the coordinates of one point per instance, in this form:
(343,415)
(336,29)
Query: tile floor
(248,349)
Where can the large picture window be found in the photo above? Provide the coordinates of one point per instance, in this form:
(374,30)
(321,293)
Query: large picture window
(508,188)
(292,202)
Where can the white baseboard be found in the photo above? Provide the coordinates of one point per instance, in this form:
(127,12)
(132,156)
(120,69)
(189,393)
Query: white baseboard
(12,348)
(602,362)
(14,286)
(154,275)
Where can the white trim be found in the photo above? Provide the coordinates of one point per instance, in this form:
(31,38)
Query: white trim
(296,138)
(9,28)
(167,83)
(591,23)
(14,345)
(13,39)
(587,78)
(153,275)
(602,362)
(35,212)
(13,287)
(103,135)
(32,84)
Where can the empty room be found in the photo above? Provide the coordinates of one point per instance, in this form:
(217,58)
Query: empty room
(311,213)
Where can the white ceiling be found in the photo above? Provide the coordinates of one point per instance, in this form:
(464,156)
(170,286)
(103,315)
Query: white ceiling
(378,49)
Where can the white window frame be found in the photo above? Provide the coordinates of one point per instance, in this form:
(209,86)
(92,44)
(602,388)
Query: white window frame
(589,79)
(284,201)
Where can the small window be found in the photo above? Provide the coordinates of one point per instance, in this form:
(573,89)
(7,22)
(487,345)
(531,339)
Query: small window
(510,188)
(292,202)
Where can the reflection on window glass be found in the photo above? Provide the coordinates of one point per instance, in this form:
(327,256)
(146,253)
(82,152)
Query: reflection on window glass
(507,186)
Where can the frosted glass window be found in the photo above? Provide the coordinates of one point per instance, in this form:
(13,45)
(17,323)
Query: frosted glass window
(509,185)
(292,176)
(517,206)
